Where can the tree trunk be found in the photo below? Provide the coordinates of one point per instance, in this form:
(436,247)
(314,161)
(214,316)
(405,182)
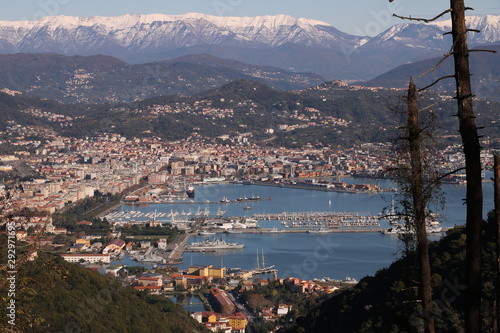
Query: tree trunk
(419,204)
(472,149)
(496,178)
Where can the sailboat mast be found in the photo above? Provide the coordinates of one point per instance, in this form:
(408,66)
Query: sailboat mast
(258,261)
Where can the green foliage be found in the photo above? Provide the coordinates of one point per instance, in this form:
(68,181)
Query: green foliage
(136,230)
(86,210)
(256,107)
(56,296)
(387,302)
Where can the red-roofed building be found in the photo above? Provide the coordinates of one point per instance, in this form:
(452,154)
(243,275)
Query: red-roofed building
(114,247)
(150,281)
(221,302)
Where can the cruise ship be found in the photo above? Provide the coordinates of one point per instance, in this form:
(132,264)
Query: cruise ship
(213,245)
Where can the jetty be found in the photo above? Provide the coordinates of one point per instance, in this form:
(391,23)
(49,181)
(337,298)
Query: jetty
(318,219)
(177,248)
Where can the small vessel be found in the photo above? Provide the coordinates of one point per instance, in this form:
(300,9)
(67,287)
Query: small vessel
(349,279)
(251,223)
(207,233)
(321,230)
(233,231)
(190,192)
(247,208)
(220,212)
(225,200)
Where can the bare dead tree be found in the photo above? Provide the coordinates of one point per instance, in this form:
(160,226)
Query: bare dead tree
(472,150)
(496,180)
(419,205)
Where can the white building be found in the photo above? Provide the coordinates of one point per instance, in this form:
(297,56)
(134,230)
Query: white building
(91,258)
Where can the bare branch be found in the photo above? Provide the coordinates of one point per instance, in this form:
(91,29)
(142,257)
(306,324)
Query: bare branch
(441,177)
(428,107)
(398,111)
(433,83)
(483,50)
(437,65)
(422,19)
(473,30)
(445,56)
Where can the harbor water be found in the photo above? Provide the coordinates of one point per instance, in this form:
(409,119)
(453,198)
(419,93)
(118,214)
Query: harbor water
(304,255)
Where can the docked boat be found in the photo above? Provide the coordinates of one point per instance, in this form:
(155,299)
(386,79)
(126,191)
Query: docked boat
(207,233)
(401,229)
(321,230)
(275,230)
(190,192)
(233,231)
(212,245)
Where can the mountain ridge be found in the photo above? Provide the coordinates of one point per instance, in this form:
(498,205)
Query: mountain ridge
(102,78)
(301,45)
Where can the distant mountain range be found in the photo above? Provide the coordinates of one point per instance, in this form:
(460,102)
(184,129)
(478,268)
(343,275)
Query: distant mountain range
(484,66)
(100,79)
(282,41)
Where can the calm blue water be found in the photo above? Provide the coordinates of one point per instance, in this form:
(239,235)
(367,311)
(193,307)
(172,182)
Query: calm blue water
(189,299)
(305,255)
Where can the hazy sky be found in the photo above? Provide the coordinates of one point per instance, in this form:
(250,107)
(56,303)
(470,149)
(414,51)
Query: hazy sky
(360,17)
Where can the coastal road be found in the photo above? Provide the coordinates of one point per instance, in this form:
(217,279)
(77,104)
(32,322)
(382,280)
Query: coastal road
(241,308)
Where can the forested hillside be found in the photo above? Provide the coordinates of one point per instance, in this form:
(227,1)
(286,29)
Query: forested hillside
(55,296)
(387,302)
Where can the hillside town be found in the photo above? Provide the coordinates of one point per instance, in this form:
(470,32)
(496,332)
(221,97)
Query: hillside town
(55,173)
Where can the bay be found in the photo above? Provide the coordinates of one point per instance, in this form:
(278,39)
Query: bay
(305,255)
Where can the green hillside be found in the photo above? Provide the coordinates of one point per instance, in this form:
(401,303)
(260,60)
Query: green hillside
(388,301)
(55,296)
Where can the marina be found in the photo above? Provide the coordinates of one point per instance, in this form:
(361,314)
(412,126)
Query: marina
(291,229)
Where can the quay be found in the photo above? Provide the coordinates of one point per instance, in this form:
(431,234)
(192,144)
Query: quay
(177,247)
(316,187)
(190,202)
(273,231)
(330,219)
(313,216)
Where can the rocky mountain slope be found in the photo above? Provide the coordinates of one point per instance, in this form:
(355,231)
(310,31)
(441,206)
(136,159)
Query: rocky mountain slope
(280,40)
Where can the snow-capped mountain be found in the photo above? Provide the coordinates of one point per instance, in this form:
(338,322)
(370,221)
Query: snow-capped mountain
(280,40)
(430,36)
(135,33)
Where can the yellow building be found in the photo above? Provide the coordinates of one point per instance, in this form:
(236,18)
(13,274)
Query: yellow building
(208,271)
(83,241)
(237,321)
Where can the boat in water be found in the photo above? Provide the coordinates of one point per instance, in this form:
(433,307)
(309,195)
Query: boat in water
(321,230)
(207,233)
(213,245)
(401,229)
(190,192)
(233,231)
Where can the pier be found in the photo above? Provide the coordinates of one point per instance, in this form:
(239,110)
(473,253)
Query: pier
(274,231)
(178,247)
(330,219)
(192,202)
